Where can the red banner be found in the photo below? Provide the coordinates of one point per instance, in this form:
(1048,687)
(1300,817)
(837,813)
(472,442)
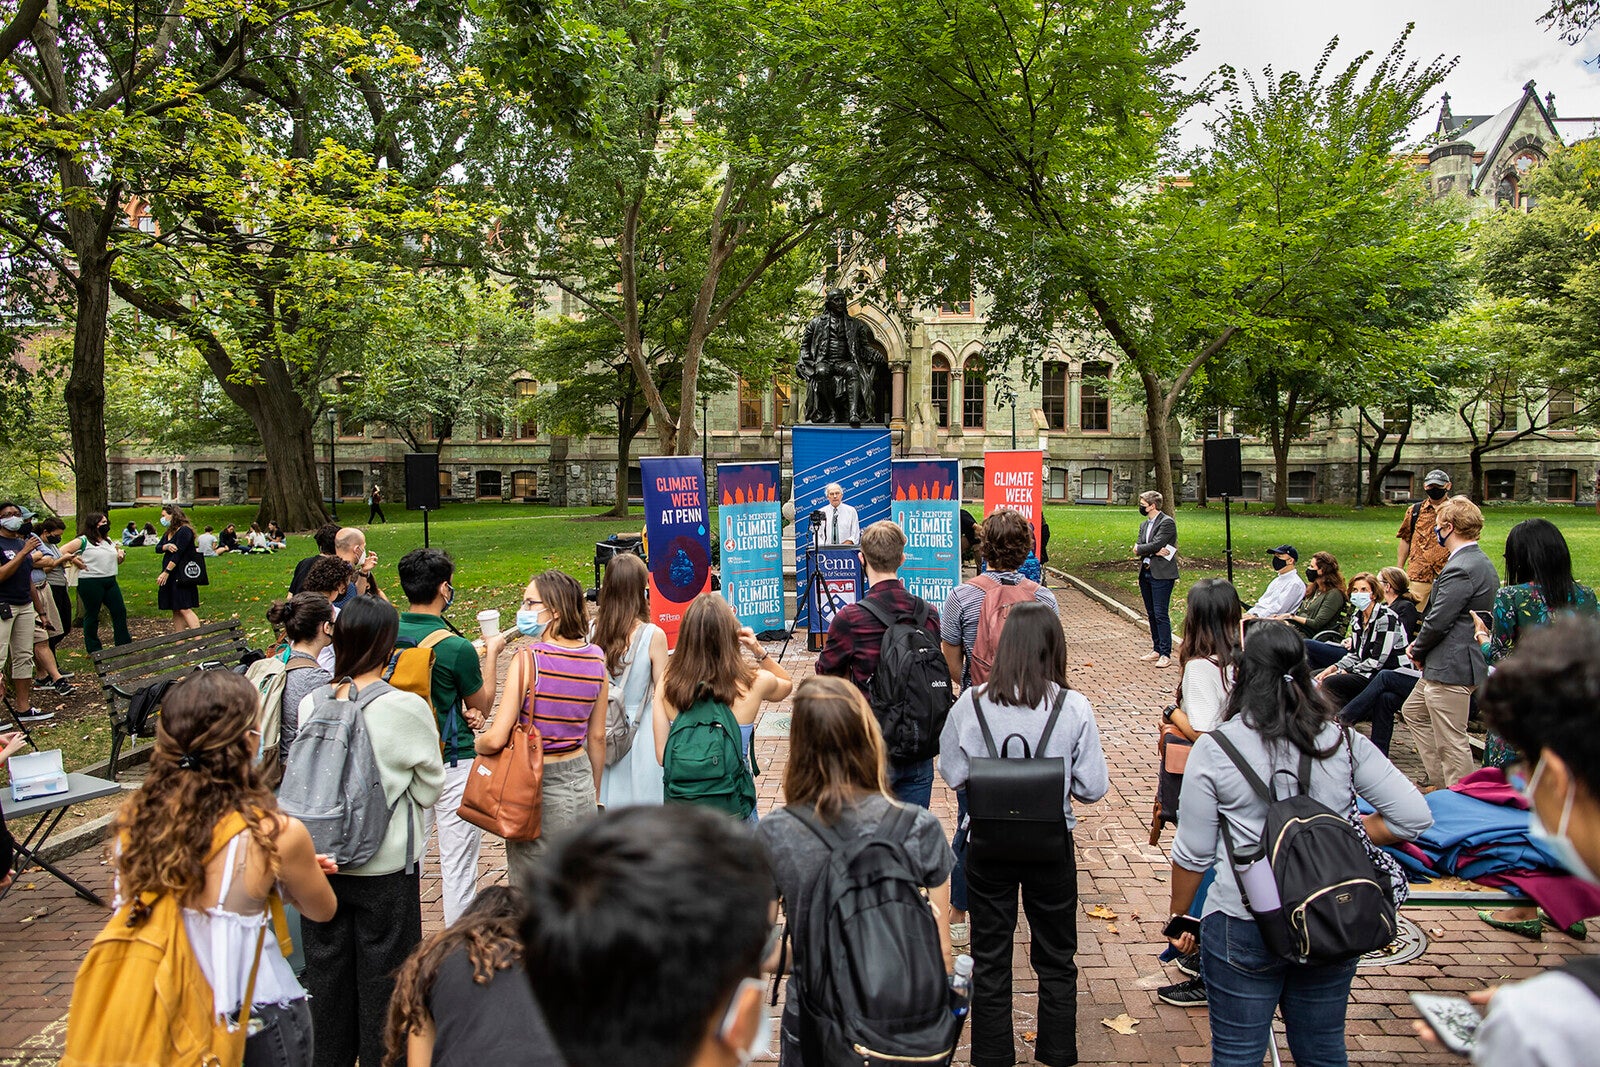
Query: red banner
(1015,480)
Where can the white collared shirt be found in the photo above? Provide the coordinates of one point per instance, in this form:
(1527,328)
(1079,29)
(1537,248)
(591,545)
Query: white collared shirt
(849,527)
(1282,596)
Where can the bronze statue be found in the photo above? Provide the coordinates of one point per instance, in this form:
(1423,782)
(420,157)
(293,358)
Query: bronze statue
(838,364)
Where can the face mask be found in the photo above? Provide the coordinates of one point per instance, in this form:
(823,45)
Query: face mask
(449,597)
(1436,493)
(13,524)
(1143,510)
(761,1041)
(165,521)
(1558,844)
(1282,563)
(54,539)
(1438,531)
(1311,574)
(1361,601)
(104,527)
(530,624)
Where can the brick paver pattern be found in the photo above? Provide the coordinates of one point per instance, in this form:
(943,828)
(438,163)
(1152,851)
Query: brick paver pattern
(45,929)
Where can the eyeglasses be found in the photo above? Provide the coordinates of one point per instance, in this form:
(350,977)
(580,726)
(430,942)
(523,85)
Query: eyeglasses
(528,603)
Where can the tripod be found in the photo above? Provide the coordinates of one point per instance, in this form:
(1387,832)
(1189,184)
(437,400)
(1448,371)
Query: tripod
(815,583)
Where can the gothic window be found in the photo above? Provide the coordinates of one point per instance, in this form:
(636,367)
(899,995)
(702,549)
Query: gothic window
(527,427)
(749,405)
(1094,398)
(207,484)
(1094,484)
(1054,388)
(939,392)
(972,398)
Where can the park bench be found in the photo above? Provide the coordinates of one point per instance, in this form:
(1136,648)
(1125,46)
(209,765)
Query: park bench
(124,670)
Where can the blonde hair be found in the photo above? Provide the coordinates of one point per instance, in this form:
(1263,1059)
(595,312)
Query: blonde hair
(1398,581)
(1463,515)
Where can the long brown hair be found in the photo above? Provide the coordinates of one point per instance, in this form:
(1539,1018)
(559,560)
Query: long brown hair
(1328,577)
(487,930)
(563,595)
(1211,625)
(624,599)
(201,768)
(1399,581)
(708,661)
(836,753)
(1031,656)
(179,518)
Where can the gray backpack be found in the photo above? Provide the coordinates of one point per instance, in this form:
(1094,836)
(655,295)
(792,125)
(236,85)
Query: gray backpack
(332,782)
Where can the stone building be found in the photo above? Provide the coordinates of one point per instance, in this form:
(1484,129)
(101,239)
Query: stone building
(939,398)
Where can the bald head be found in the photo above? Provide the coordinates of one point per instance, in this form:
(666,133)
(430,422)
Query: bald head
(350,545)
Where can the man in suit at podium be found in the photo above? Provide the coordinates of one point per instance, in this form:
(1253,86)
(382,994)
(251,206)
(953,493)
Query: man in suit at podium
(839,523)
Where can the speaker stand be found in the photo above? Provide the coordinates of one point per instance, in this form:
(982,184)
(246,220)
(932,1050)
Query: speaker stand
(1227,534)
(426,545)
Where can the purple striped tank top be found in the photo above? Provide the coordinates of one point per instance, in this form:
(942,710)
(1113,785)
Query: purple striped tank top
(564,696)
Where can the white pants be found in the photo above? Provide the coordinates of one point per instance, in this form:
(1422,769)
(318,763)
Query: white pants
(458,843)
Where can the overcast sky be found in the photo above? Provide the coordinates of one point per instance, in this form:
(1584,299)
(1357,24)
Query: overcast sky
(1500,45)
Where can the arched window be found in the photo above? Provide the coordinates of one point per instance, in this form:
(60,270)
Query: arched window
(255,483)
(1397,486)
(1302,486)
(1094,485)
(972,484)
(147,485)
(939,392)
(1500,485)
(488,485)
(972,398)
(352,486)
(524,485)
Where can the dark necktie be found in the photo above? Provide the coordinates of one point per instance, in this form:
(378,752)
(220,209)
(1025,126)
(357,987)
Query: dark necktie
(836,524)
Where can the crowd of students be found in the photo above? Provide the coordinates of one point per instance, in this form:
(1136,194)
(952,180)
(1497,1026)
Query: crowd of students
(642,921)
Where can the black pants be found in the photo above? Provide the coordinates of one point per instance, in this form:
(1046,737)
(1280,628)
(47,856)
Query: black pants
(1345,687)
(351,963)
(1379,700)
(63,598)
(1050,898)
(1320,654)
(375,511)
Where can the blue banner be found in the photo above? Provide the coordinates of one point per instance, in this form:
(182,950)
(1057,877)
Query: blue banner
(750,517)
(927,505)
(841,583)
(677,537)
(858,460)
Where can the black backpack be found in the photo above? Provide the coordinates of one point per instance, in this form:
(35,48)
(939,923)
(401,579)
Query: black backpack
(873,989)
(1015,807)
(910,692)
(1334,905)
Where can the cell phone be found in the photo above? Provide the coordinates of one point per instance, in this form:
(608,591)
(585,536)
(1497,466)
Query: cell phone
(1454,1020)
(1179,925)
(1485,618)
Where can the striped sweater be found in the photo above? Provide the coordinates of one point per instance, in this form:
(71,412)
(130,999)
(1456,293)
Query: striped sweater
(568,684)
(1377,643)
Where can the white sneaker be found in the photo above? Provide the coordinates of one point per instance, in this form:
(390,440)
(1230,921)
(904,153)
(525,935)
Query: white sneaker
(960,935)
(1163,661)
(1149,657)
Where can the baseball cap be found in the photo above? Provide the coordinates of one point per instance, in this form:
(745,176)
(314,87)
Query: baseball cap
(1436,477)
(1285,550)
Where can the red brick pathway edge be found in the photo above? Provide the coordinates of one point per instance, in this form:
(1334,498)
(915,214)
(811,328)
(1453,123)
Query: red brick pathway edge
(45,929)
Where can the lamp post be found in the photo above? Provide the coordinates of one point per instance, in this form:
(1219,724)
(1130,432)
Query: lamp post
(333,469)
(705,433)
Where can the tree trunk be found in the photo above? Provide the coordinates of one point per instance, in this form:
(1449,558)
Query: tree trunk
(292,496)
(1155,421)
(86,386)
(1477,490)
(1280,471)
(625,433)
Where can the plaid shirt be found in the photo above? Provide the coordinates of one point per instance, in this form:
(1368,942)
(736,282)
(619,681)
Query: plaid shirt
(856,638)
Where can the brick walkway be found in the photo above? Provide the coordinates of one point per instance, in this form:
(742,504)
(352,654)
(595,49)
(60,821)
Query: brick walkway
(44,930)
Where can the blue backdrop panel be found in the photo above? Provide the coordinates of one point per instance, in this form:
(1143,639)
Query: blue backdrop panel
(751,516)
(858,459)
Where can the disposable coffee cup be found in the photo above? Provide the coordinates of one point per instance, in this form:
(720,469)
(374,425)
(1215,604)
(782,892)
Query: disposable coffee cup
(489,621)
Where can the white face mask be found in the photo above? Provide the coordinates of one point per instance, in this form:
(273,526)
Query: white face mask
(1557,843)
(761,1041)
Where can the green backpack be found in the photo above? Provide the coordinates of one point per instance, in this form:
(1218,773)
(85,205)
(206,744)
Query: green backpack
(703,763)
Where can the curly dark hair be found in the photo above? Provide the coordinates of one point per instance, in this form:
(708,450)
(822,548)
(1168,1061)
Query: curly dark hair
(165,827)
(488,932)
(1007,539)
(327,574)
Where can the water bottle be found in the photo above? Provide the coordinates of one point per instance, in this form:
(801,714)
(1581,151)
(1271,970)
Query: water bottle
(961,987)
(1259,884)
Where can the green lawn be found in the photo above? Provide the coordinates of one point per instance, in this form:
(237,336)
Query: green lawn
(1096,543)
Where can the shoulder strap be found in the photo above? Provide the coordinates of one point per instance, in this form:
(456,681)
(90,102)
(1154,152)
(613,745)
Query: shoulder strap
(983,724)
(828,835)
(1245,769)
(897,824)
(1416,513)
(876,612)
(435,637)
(988,582)
(1305,773)
(1050,726)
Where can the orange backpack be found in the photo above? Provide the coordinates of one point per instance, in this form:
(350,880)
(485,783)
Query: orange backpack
(141,999)
(998,600)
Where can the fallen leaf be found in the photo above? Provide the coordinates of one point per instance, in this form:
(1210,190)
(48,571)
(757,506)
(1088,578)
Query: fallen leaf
(1122,1024)
(1111,929)
(1029,1035)
(1100,911)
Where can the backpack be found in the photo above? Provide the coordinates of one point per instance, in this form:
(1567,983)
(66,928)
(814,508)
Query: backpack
(1333,905)
(703,763)
(872,985)
(411,668)
(1586,970)
(998,600)
(140,718)
(910,690)
(1015,807)
(622,728)
(140,998)
(270,675)
(333,785)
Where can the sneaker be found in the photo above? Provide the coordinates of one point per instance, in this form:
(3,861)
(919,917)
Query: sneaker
(62,687)
(68,674)
(1189,994)
(1163,661)
(1189,964)
(960,935)
(35,715)
(1149,657)
(44,683)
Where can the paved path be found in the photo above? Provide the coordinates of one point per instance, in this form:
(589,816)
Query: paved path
(44,930)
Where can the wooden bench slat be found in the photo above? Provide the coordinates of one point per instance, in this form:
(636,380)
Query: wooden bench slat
(108,656)
(173,675)
(128,685)
(157,655)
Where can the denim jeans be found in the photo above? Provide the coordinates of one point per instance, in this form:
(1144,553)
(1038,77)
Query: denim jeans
(1320,654)
(1157,593)
(1379,701)
(284,1039)
(958,873)
(912,783)
(1246,984)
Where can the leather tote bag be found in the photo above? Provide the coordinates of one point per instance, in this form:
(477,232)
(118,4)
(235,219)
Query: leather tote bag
(1015,804)
(505,791)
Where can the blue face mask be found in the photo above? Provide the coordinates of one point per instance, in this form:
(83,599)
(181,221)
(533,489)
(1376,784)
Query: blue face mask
(1557,843)
(165,521)
(450,597)
(1361,601)
(529,623)
(11,523)
(1441,535)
